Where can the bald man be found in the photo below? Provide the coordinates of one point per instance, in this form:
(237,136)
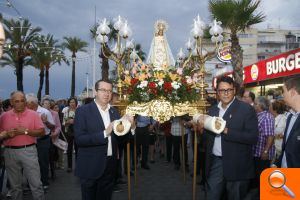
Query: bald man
(21,127)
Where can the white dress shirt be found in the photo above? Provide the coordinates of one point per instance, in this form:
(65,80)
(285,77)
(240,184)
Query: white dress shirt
(291,124)
(106,120)
(46,112)
(280,123)
(217,148)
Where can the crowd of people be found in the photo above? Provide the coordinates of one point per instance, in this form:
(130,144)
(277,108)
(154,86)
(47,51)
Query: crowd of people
(260,133)
(29,128)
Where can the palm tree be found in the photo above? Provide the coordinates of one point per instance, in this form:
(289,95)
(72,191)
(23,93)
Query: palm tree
(74,45)
(55,56)
(44,56)
(104,64)
(38,60)
(236,15)
(140,52)
(20,37)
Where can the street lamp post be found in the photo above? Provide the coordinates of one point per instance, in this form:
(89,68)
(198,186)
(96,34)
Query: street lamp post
(121,49)
(196,59)
(87,84)
(121,53)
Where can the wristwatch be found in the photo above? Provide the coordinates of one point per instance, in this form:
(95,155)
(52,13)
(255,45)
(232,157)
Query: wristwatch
(26,132)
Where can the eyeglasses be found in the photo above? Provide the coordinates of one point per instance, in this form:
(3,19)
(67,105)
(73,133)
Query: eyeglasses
(104,90)
(225,91)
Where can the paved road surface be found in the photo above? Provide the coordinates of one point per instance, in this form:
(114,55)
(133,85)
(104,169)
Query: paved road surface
(161,182)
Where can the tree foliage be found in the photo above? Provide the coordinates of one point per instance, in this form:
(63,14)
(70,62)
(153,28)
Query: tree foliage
(74,45)
(236,15)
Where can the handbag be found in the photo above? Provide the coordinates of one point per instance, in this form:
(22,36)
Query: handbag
(61,144)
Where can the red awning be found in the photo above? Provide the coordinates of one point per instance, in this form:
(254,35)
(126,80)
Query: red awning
(282,65)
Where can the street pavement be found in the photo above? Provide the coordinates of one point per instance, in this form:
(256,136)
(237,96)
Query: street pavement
(161,182)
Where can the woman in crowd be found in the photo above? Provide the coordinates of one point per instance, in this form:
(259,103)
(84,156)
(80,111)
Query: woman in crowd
(53,156)
(68,121)
(6,105)
(60,152)
(278,109)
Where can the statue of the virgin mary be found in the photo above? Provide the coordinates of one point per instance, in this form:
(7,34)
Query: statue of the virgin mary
(160,55)
(2,39)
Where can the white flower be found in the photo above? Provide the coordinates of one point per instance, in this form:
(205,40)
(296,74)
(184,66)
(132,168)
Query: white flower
(160,83)
(145,96)
(143,84)
(189,80)
(175,85)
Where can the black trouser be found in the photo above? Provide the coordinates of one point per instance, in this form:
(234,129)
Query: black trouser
(200,154)
(169,147)
(43,147)
(142,140)
(201,163)
(101,188)
(71,142)
(177,144)
(259,165)
(121,148)
(53,157)
(217,185)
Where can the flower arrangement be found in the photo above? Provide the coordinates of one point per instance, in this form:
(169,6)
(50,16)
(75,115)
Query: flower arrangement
(176,85)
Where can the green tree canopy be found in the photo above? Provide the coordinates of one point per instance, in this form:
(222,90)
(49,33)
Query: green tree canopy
(236,15)
(74,45)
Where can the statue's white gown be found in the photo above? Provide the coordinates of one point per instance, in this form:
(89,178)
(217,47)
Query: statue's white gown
(160,55)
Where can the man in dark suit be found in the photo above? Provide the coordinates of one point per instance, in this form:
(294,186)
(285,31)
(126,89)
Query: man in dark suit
(290,156)
(229,159)
(97,144)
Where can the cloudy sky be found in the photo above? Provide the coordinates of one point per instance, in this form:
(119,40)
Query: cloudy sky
(75,17)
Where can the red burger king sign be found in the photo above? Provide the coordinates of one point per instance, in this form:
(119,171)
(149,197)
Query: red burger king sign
(282,65)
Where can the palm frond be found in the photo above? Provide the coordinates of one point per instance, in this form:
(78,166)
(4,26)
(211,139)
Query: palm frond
(236,15)
(74,44)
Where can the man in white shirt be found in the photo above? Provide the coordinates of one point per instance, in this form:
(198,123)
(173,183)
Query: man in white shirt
(229,159)
(176,131)
(43,143)
(97,144)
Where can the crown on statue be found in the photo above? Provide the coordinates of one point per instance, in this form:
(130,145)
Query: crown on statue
(161,25)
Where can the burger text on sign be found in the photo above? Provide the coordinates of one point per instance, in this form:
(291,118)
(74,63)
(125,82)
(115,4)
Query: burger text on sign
(289,63)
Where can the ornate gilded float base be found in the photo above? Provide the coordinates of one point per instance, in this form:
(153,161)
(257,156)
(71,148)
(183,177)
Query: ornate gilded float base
(162,110)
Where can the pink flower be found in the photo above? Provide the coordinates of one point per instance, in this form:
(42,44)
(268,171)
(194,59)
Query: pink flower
(179,71)
(134,71)
(143,67)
